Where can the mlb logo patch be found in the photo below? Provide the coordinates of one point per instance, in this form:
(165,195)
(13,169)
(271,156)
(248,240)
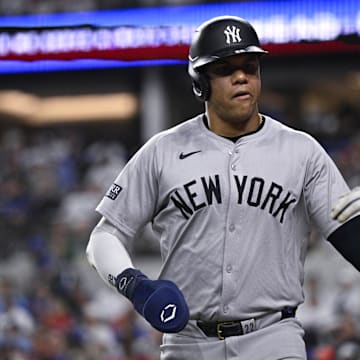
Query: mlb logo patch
(114,191)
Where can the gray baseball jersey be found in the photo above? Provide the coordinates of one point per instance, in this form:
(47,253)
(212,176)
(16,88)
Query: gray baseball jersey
(232,219)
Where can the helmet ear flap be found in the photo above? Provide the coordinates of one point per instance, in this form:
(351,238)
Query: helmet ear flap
(201,85)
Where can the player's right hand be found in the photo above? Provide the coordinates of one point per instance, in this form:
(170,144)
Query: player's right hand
(347,205)
(160,302)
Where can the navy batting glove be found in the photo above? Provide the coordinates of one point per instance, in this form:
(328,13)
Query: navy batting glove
(160,302)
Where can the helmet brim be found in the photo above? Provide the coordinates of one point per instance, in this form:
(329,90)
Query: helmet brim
(204,60)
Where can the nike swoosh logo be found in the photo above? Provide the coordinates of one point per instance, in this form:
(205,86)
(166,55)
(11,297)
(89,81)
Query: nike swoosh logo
(184,156)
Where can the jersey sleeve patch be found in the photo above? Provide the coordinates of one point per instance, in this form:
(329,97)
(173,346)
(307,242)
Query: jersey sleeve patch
(114,191)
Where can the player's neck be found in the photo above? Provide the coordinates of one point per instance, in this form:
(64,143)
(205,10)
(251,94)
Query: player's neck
(230,129)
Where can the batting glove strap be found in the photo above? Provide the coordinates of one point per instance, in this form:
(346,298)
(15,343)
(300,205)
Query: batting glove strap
(160,302)
(127,281)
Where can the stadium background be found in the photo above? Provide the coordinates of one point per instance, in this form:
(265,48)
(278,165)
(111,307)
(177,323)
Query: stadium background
(65,133)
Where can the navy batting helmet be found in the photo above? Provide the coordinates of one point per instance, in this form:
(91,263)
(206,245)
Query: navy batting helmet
(216,39)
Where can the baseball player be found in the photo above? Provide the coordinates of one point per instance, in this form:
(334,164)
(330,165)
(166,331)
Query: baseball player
(232,195)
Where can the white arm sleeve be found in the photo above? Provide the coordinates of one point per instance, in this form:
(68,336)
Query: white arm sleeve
(106,252)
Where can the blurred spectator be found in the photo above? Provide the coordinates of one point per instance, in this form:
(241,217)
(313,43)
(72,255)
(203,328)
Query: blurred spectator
(316,314)
(346,339)
(105,161)
(16,324)
(348,351)
(347,297)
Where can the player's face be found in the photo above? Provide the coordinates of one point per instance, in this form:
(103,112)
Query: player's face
(235,90)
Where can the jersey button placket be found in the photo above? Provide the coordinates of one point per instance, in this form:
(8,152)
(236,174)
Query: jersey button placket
(230,233)
(233,168)
(232,164)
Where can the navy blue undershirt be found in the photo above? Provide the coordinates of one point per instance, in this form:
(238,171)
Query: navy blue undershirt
(236,138)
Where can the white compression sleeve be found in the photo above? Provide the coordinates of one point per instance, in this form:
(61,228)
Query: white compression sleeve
(106,252)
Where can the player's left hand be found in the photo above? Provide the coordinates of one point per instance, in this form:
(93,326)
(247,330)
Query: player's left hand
(347,205)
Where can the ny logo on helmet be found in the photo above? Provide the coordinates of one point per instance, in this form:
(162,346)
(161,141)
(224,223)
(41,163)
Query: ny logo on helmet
(232,34)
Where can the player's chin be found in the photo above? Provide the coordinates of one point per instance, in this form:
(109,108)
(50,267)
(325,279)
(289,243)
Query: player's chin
(238,118)
(242,113)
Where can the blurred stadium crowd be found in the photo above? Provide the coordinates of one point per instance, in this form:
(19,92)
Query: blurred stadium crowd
(52,304)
